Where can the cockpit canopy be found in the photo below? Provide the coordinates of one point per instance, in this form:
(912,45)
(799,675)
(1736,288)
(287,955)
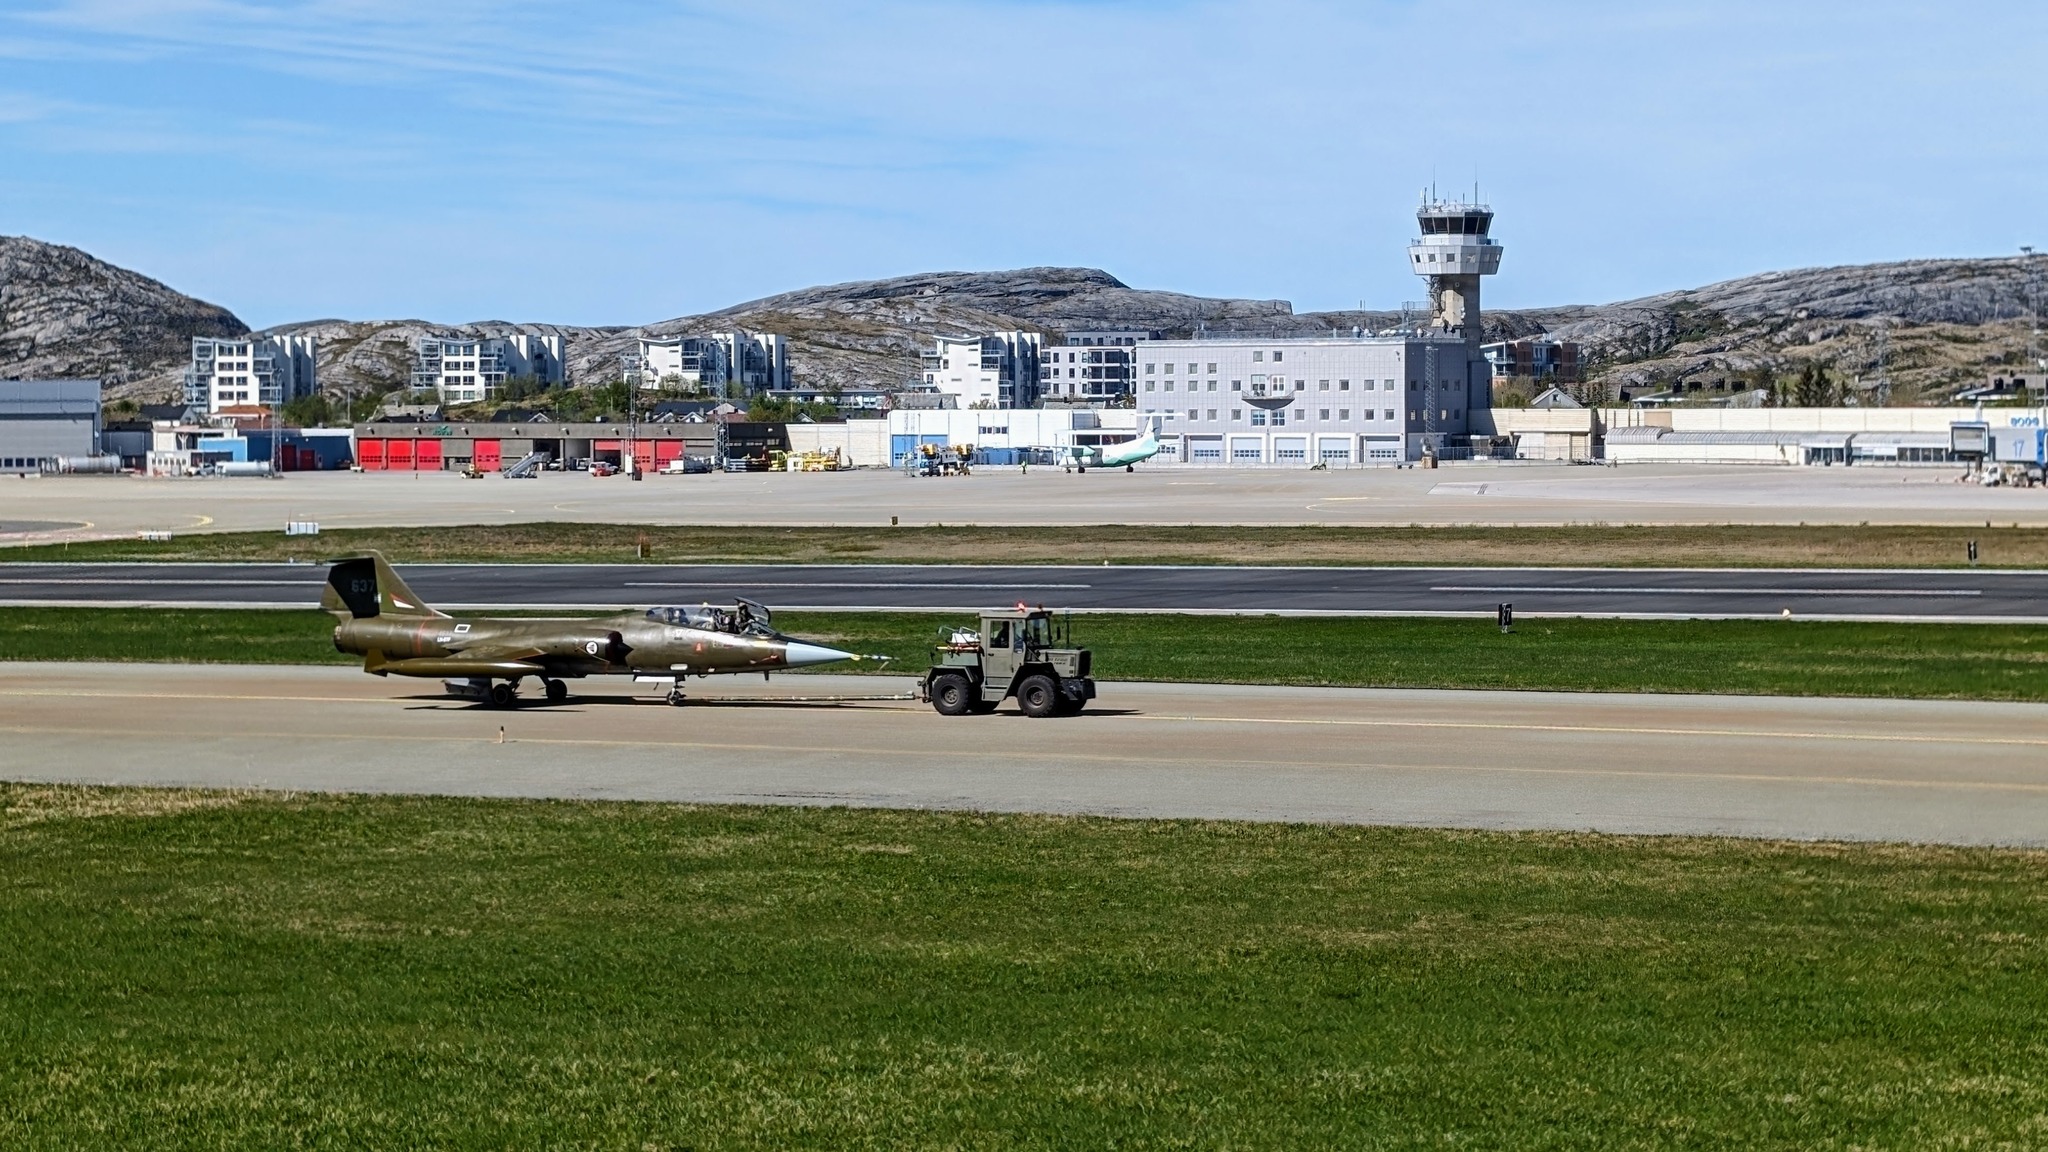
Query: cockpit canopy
(742,618)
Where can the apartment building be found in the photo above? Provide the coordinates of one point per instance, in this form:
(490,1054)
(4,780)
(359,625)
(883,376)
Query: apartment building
(467,370)
(1337,400)
(738,360)
(1000,370)
(1091,368)
(248,371)
(1556,361)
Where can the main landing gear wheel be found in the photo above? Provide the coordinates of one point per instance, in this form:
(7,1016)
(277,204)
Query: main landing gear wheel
(952,695)
(502,695)
(1038,696)
(675,695)
(557,691)
(1130,467)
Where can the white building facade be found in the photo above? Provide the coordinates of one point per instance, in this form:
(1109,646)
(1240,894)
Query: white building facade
(1333,401)
(723,361)
(249,371)
(995,371)
(465,370)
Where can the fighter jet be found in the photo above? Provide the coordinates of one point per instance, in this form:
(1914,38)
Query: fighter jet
(1082,457)
(397,634)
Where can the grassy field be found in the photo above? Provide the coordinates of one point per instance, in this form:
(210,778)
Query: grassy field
(1735,546)
(193,970)
(1801,658)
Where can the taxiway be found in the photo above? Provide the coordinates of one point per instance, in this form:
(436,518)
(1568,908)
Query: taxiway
(1954,772)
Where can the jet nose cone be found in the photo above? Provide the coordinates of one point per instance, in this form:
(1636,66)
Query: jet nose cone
(799,655)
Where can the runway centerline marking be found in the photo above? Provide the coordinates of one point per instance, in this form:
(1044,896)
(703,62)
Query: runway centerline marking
(1628,591)
(831,584)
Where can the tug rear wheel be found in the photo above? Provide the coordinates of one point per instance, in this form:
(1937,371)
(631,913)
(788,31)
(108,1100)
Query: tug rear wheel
(952,695)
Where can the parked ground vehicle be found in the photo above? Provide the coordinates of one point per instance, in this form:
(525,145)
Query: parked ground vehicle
(1018,652)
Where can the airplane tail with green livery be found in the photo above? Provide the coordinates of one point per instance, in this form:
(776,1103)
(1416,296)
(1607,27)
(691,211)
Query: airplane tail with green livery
(364,587)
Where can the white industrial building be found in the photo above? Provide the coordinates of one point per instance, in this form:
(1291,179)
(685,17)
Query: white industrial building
(465,370)
(249,371)
(1005,434)
(737,360)
(1000,370)
(44,421)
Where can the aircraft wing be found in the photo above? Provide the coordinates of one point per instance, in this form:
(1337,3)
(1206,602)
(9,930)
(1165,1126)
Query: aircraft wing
(485,661)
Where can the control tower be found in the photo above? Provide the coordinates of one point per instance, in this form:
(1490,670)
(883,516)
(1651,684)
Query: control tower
(1453,253)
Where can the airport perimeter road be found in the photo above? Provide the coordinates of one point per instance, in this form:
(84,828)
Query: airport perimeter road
(1757,766)
(1908,594)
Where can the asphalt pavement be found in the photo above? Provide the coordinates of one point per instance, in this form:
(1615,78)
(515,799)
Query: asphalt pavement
(1853,594)
(1932,771)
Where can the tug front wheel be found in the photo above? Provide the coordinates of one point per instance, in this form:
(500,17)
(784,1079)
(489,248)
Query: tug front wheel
(557,691)
(1038,696)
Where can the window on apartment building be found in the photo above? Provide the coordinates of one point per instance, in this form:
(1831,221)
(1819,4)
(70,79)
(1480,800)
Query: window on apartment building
(1169,385)
(1322,385)
(1280,417)
(1413,385)
(1301,385)
(1389,385)
(1237,413)
(1212,368)
(1212,413)
(1196,414)
(1148,385)
(1389,415)
(1345,385)
(1343,413)
(1237,385)
(1191,369)
(1212,385)
(1258,357)
(1322,413)
(1149,368)
(1258,418)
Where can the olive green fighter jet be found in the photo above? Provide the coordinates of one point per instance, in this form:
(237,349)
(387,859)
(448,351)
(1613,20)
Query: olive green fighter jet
(397,634)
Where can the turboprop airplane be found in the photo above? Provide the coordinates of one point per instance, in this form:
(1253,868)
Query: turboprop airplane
(1081,457)
(397,634)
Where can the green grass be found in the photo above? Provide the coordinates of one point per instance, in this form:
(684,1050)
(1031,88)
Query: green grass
(190,970)
(1589,545)
(1800,658)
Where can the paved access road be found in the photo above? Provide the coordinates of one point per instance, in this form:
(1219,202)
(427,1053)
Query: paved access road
(1851,769)
(1948,595)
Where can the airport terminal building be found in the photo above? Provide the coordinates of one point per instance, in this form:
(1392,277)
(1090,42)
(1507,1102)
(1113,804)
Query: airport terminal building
(1341,400)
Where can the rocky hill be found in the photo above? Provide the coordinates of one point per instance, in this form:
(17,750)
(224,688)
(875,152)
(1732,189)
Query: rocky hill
(63,313)
(368,356)
(1934,324)
(870,331)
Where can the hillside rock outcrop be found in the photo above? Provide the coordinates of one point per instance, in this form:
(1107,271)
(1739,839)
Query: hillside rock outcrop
(65,314)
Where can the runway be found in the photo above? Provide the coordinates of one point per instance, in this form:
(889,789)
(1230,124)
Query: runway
(1823,594)
(50,509)
(1952,772)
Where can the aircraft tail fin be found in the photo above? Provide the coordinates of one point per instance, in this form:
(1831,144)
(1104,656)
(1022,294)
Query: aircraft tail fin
(363,586)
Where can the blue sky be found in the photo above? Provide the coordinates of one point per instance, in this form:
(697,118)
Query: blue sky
(627,162)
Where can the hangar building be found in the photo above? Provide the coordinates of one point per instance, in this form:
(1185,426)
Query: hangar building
(43,420)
